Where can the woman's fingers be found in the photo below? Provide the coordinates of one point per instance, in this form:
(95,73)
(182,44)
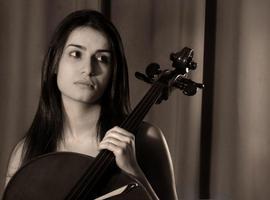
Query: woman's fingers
(122,144)
(110,146)
(112,142)
(120,134)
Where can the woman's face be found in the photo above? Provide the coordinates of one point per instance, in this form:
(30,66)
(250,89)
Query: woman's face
(85,66)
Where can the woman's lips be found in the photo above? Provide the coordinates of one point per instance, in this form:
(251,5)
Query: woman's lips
(88,84)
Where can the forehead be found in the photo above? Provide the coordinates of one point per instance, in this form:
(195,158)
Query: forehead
(88,37)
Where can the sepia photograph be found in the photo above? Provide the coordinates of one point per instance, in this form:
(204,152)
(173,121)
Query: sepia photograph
(134,100)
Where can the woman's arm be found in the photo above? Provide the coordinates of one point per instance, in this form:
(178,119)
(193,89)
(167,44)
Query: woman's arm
(154,158)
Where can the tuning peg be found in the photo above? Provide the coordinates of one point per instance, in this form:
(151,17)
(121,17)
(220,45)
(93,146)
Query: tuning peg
(152,70)
(192,65)
(188,86)
(182,60)
(143,77)
(190,90)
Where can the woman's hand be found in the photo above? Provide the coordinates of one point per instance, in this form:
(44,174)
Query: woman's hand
(122,144)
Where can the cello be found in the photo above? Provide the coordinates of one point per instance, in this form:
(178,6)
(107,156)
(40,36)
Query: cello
(74,176)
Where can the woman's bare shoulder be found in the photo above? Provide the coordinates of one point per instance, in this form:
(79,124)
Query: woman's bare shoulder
(155,160)
(151,143)
(15,159)
(16,155)
(151,135)
(150,131)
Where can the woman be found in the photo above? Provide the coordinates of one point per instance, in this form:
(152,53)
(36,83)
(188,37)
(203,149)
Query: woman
(84,95)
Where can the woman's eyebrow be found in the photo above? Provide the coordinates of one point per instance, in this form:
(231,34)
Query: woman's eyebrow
(77,45)
(104,51)
(84,48)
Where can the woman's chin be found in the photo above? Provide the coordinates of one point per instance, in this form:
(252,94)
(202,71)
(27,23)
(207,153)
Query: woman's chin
(83,99)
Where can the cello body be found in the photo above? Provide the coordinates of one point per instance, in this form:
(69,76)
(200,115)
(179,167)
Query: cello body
(34,180)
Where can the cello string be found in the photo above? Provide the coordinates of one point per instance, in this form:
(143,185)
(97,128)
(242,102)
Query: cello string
(94,178)
(105,159)
(142,104)
(139,107)
(136,112)
(91,176)
(95,169)
(143,113)
(137,115)
(135,119)
(78,187)
(148,102)
(135,124)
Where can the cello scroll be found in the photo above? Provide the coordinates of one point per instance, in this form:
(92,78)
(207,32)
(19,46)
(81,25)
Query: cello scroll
(183,63)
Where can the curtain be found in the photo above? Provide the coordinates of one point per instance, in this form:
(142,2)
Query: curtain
(152,30)
(241,140)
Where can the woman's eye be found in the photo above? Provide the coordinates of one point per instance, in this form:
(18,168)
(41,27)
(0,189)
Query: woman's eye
(75,54)
(103,59)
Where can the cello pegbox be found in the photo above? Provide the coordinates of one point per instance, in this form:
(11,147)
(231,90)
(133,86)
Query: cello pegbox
(182,60)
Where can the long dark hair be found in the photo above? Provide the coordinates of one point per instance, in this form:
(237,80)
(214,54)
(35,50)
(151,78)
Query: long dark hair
(47,126)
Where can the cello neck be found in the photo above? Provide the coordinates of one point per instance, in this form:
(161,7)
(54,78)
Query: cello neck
(133,121)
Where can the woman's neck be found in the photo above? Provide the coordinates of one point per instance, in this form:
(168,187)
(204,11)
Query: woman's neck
(80,119)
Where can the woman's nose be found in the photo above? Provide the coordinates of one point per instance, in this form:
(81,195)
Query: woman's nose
(88,68)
